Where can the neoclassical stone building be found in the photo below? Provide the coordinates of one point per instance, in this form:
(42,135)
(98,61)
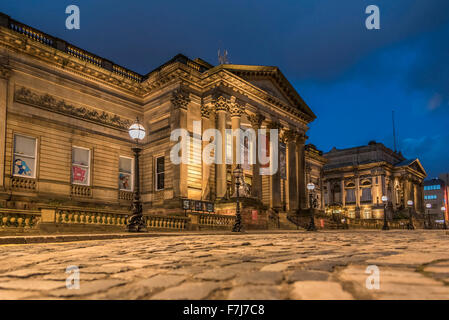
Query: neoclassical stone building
(64,115)
(355,179)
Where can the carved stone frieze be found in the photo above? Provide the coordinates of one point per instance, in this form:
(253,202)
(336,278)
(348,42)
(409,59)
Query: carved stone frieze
(48,102)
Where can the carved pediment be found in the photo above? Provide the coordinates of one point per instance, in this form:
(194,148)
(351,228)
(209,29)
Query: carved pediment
(269,87)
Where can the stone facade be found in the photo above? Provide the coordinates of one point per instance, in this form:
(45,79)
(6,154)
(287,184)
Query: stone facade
(64,114)
(355,180)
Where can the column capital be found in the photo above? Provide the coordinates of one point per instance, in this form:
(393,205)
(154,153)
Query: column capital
(291,135)
(205,111)
(180,98)
(220,104)
(5,72)
(274,125)
(256,120)
(235,108)
(301,138)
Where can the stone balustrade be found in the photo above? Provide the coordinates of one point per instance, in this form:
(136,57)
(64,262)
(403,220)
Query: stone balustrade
(13,218)
(167,222)
(378,223)
(215,220)
(88,216)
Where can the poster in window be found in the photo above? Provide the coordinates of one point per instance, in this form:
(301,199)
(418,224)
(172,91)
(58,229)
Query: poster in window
(124,181)
(282,160)
(80,174)
(23,166)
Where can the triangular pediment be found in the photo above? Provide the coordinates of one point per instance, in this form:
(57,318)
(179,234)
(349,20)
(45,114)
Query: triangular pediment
(273,82)
(414,165)
(269,87)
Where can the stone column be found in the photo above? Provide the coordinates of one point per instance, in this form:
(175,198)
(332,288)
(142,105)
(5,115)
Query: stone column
(205,168)
(301,169)
(357,196)
(322,207)
(415,197)
(4,76)
(221,108)
(406,192)
(329,193)
(236,112)
(275,179)
(293,198)
(421,197)
(256,188)
(395,193)
(343,193)
(180,100)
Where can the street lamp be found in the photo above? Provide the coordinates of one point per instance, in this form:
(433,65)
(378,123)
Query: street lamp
(410,225)
(428,206)
(443,209)
(136,223)
(238,173)
(311,227)
(385,226)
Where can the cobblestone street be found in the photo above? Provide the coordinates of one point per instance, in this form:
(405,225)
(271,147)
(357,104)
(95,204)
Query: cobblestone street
(294,265)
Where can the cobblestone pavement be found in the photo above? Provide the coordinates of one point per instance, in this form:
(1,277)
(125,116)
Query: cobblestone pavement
(294,265)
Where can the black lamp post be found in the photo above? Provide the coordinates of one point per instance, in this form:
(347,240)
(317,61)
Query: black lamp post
(385,201)
(136,223)
(311,227)
(410,225)
(443,209)
(428,206)
(238,172)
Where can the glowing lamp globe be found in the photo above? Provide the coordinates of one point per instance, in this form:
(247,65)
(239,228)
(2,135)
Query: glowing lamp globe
(136,131)
(428,205)
(310,186)
(384,198)
(410,203)
(443,209)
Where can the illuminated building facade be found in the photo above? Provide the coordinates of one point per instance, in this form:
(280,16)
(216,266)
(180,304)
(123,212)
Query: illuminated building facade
(65,149)
(355,179)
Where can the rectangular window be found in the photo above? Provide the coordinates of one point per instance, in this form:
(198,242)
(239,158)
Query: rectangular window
(80,166)
(366,195)
(125,174)
(160,173)
(24,156)
(350,196)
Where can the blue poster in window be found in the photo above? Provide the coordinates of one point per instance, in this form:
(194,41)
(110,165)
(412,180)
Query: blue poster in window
(21,167)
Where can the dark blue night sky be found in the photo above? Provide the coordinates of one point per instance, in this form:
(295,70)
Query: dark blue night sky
(351,77)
